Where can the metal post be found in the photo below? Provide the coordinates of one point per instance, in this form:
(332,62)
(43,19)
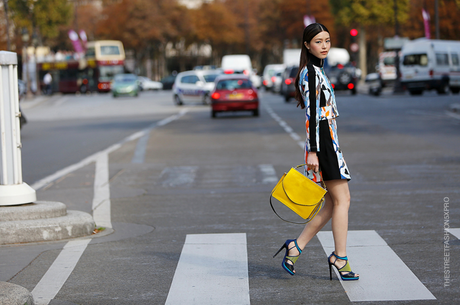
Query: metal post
(13,191)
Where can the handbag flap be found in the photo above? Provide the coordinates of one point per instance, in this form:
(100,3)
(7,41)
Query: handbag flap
(302,190)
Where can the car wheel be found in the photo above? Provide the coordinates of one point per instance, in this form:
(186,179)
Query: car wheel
(416,92)
(213,114)
(353,91)
(454,90)
(206,99)
(177,100)
(444,89)
(114,96)
(255,112)
(287,98)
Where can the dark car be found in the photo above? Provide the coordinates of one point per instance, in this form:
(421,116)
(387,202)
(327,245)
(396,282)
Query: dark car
(168,81)
(342,77)
(234,92)
(288,82)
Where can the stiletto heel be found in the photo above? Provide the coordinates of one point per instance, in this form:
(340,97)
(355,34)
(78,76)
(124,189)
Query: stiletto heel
(349,275)
(288,267)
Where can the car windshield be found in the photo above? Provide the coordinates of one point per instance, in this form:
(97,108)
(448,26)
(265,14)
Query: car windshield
(210,78)
(125,78)
(415,59)
(232,84)
(106,73)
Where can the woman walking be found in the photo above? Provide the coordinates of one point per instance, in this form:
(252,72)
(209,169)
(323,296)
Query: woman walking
(323,155)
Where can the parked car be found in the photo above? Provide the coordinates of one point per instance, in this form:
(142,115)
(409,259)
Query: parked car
(125,84)
(277,80)
(194,86)
(241,64)
(342,77)
(168,81)
(148,84)
(386,67)
(22,91)
(234,92)
(288,82)
(430,64)
(375,83)
(269,73)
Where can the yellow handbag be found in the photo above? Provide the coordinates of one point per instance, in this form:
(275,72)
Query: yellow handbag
(300,194)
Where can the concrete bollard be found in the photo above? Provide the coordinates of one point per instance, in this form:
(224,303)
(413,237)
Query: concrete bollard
(13,191)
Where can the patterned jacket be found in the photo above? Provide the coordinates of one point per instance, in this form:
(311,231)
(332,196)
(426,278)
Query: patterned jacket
(313,81)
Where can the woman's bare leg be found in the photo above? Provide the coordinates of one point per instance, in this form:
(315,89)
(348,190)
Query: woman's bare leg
(336,207)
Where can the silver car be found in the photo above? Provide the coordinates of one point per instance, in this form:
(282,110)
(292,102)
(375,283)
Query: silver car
(194,86)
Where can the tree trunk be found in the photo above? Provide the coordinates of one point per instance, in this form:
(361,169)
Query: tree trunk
(362,52)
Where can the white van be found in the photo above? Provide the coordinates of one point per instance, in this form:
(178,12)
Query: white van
(240,64)
(430,64)
(270,74)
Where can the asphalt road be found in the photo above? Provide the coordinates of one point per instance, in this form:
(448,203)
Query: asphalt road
(206,176)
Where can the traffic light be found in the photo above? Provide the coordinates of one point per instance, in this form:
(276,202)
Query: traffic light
(354,32)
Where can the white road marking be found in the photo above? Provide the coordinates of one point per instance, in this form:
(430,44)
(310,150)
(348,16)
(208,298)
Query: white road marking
(454,231)
(285,126)
(269,173)
(101,197)
(212,269)
(141,148)
(59,272)
(45,181)
(383,275)
(178,176)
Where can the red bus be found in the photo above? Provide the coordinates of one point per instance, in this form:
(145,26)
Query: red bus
(103,60)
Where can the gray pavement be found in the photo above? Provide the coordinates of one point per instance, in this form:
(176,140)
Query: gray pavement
(202,176)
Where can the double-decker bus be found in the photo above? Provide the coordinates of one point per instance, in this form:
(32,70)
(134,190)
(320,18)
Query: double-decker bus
(104,59)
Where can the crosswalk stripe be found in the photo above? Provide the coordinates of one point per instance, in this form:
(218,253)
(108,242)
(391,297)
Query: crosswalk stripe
(455,232)
(212,269)
(383,275)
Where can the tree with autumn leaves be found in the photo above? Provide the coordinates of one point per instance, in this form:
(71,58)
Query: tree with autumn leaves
(260,28)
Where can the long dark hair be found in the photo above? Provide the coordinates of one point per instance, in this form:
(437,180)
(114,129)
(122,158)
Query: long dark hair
(308,34)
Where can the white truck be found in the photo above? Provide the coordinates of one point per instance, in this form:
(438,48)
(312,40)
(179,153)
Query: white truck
(240,64)
(430,64)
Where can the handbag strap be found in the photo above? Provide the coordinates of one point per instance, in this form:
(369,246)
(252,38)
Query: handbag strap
(320,204)
(318,208)
(322,181)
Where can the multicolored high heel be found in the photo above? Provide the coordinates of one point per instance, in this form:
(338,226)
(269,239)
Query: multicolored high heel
(288,267)
(349,275)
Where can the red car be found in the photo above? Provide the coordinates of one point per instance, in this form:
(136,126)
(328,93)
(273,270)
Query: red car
(234,92)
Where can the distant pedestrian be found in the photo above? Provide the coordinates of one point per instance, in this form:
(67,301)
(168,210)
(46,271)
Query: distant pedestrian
(323,155)
(47,79)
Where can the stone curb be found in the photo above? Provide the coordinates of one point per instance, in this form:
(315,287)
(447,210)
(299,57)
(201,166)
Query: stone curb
(74,224)
(36,210)
(11,294)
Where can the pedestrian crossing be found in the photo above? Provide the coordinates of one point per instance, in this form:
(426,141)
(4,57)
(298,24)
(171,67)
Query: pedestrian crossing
(213,269)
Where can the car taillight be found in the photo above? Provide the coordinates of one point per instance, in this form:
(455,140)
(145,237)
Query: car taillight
(265,82)
(350,86)
(246,72)
(228,72)
(273,79)
(252,95)
(431,72)
(333,86)
(340,66)
(215,96)
(288,81)
(85,81)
